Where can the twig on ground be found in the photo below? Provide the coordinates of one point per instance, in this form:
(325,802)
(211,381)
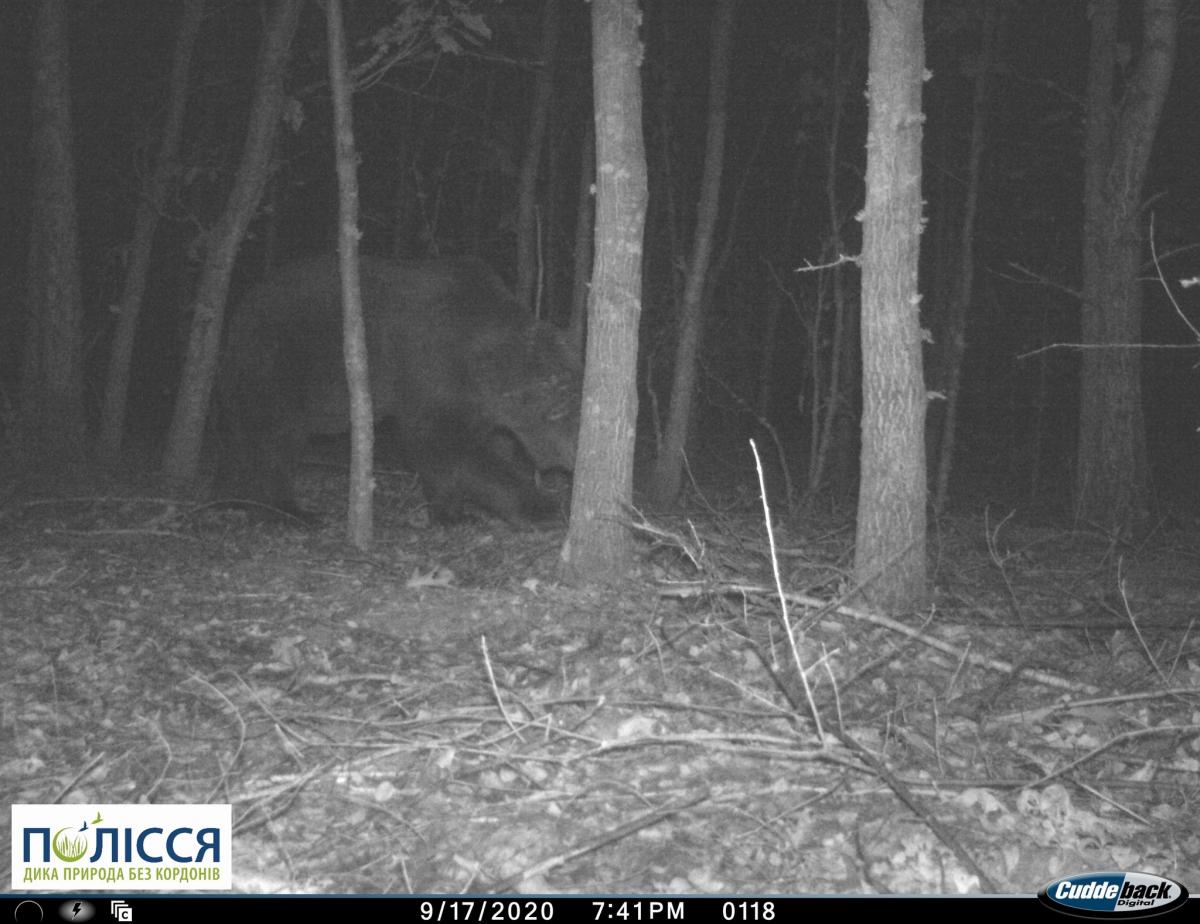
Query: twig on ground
(886,622)
(1111,743)
(87,768)
(1137,631)
(645,820)
(487,661)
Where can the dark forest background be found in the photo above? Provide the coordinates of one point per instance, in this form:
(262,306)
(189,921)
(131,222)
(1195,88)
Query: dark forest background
(441,137)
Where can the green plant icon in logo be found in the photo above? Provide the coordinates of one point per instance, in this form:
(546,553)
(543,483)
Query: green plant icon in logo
(68,845)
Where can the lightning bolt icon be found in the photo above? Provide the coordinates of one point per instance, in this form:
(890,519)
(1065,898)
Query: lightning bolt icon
(75,910)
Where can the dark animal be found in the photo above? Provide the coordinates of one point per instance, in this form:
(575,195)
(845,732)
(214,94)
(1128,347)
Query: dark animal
(483,397)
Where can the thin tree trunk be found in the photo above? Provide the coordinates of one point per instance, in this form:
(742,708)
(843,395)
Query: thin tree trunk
(956,317)
(1040,404)
(585,214)
(598,548)
(1111,473)
(483,178)
(666,183)
(815,385)
(778,292)
(722,255)
(889,555)
(816,472)
(527,231)
(52,366)
(766,351)
(402,208)
(166,170)
(663,215)
(668,467)
(354,338)
(548,295)
(941,250)
(274,195)
(186,432)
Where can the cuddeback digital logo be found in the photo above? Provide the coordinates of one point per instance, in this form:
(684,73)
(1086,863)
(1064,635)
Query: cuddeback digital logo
(1113,895)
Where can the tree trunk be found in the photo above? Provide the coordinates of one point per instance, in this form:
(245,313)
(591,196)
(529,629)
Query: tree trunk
(889,555)
(598,548)
(1111,474)
(277,187)
(585,216)
(402,209)
(527,231)
(548,296)
(668,467)
(166,171)
(186,433)
(940,250)
(829,413)
(764,404)
(664,215)
(51,390)
(955,328)
(354,338)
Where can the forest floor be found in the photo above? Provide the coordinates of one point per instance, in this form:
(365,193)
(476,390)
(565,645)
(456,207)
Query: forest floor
(439,715)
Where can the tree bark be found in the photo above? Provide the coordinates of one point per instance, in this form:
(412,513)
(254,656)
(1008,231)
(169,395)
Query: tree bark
(527,232)
(186,432)
(354,337)
(166,171)
(51,420)
(955,328)
(668,466)
(598,548)
(889,560)
(1111,487)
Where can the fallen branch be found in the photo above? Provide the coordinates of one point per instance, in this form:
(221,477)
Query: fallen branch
(995,664)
